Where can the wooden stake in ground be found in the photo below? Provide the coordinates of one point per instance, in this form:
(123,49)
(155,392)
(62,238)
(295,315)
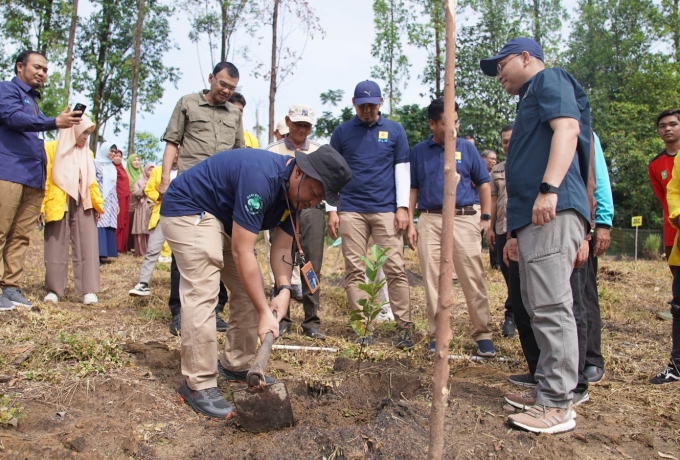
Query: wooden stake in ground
(440,378)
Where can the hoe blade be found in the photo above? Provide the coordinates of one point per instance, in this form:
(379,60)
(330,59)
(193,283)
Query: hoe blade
(264,408)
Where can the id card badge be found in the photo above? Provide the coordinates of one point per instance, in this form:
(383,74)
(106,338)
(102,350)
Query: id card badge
(307,271)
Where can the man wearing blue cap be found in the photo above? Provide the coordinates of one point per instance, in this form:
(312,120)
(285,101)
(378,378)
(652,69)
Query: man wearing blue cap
(548,217)
(375,202)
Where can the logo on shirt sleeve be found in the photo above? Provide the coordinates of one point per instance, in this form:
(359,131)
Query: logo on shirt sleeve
(382,136)
(285,214)
(254,203)
(664,175)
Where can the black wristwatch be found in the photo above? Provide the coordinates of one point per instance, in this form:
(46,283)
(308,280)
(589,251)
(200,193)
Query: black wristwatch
(286,286)
(547,188)
(485,217)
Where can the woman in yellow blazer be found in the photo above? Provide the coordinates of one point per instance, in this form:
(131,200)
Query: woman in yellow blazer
(70,211)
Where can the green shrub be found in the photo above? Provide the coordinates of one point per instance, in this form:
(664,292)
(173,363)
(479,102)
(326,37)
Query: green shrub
(651,247)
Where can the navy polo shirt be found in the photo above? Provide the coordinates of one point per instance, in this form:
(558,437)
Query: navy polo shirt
(22,151)
(371,153)
(427,173)
(243,186)
(551,93)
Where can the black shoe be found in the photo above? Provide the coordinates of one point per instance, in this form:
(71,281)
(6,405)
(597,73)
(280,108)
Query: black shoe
(406,339)
(508,329)
(669,375)
(594,374)
(523,380)
(432,347)
(207,402)
(221,324)
(314,334)
(296,293)
(176,325)
(497,267)
(239,377)
(285,329)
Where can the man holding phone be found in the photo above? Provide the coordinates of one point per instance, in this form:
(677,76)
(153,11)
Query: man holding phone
(23,172)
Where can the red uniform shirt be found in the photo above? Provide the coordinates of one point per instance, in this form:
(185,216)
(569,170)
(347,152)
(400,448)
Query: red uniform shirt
(660,170)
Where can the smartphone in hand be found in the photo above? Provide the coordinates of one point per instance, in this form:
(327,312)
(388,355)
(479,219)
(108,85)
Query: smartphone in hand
(80,108)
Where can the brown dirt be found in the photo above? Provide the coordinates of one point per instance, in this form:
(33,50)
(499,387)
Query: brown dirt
(99,382)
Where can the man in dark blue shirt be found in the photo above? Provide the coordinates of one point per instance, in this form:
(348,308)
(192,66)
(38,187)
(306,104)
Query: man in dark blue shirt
(22,175)
(546,176)
(427,188)
(211,216)
(375,203)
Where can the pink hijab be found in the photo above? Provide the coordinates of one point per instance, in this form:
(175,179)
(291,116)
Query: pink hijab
(73,168)
(141,183)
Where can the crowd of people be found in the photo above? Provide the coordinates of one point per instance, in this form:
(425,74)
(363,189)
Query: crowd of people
(545,212)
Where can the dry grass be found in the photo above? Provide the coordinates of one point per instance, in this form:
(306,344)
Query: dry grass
(56,351)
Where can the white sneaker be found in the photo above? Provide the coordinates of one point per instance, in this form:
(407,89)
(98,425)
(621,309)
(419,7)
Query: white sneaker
(385,314)
(51,297)
(164,260)
(90,299)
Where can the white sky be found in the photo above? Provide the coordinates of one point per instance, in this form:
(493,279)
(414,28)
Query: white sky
(339,61)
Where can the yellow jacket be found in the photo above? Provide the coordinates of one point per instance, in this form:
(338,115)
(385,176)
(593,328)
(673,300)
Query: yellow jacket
(54,203)
(673,199)
(151,192)
(250,140)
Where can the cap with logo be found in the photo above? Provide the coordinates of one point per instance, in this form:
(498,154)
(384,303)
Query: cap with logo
(282,127)
(514,46)
(328,167)
(367,92)
(301,112)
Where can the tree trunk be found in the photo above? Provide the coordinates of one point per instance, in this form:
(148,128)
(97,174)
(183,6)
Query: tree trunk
(100,75)
(437,63)
(44,37)
(223,7)
(135,76)
(440,378)
(537,25)
(69,51)
(676,31)
(272,76)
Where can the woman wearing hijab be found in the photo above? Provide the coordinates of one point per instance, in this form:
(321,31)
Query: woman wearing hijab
(72,202)
(106,179)
(140,224)
(123,192)
(135,172)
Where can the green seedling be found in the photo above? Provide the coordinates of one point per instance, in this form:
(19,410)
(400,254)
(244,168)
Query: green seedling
(362,318)
(10,411)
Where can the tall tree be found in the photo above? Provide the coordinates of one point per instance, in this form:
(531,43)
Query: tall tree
(544,23)
(70,47)
(105,48)
(485,106)
(148,147)
(390,19)
(430,34)
(327,122)
(135,75)
(289,20)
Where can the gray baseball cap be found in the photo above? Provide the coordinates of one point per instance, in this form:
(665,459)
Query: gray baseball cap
(328,167)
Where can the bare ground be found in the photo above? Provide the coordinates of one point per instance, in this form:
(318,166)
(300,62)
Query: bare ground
(99,382)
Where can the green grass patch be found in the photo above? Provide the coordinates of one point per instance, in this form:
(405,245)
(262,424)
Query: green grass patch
(10,411)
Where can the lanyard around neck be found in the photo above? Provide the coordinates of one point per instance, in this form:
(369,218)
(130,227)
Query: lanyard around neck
(295,224)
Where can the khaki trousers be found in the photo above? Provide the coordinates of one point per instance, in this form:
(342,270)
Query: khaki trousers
(19,213)
(79,227)
(203,254)
(467,259)
(356,229)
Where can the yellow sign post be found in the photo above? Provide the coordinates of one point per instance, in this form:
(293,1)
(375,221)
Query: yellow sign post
(636,222)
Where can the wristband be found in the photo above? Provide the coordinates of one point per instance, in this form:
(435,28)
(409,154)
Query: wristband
(286,286)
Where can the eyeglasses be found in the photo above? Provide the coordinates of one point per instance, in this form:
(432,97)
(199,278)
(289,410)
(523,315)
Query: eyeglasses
(223,85)
(501,65)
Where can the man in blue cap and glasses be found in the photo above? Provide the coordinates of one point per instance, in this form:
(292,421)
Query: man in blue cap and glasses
(548,218)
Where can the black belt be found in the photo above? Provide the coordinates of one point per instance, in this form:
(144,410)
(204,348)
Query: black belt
(464,211)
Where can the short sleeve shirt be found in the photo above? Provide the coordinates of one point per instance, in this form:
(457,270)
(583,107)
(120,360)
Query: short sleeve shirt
(242,186)
(371,153)
(202,129)
(497,185)
(550,94)
(427,173)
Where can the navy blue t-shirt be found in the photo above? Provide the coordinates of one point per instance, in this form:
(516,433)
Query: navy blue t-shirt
(551,93)
(427,173)
(371,153)
(245,186)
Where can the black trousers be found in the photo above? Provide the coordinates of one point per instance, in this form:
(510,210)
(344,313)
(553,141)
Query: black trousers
(174,302)
(526,333)
(593,315)
(500,244)
(312,232)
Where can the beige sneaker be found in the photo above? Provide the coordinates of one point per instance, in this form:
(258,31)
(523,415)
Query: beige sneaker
(543,419)
(521,400)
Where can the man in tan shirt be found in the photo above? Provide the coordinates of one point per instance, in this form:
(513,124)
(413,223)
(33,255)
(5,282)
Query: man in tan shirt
(202,124)
(299,122)
(496,236)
